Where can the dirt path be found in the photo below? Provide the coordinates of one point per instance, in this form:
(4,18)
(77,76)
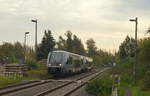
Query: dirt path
(127,92)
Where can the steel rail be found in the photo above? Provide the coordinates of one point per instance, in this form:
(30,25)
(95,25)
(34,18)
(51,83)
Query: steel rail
(63,85)
(22,87)
(83,84)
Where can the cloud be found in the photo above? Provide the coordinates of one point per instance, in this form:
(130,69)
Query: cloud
(104,20)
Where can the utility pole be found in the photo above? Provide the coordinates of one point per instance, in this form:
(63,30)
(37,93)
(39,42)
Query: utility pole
(35,21)
(25,45)
(136,62)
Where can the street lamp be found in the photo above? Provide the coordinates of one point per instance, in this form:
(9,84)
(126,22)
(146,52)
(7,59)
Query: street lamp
(134,67)
(25,45)
(35,21)
(148,31)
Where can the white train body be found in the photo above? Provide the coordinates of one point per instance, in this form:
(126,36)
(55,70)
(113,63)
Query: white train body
(65,62)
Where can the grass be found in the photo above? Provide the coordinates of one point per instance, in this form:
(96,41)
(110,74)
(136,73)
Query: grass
(120,91)
(5,80)
(9,80)
(136,91)
(38,74)
(30,75)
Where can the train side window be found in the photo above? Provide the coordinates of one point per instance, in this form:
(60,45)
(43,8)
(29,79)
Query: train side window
(82,61)
(76,63)
(69,60)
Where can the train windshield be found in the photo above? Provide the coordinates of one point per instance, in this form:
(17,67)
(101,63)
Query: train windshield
(56,58)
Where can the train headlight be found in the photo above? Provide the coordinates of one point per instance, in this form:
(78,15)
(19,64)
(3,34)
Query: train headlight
(60,64)
(50,64)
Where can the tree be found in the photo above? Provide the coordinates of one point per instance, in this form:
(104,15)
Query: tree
(78,47)
(127,48)
(104,58)
(71,44)
(18,49)
(47,45)
(144,55)
(91,47)
(13,52)
(144,49)
(69,41)
(66,44)
(61,43)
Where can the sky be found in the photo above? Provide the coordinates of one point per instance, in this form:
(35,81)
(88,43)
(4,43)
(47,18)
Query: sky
(106,21)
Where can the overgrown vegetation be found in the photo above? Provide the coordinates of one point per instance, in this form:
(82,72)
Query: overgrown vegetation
(125,59)
(136,91)
(100,87)
(11,52)
(4,80)
(38,74)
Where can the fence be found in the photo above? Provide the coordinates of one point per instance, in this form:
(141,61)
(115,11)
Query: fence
(13,71)
(12,75)
(15,68)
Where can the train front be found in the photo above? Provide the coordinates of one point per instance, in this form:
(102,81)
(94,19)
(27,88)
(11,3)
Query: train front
(55,62)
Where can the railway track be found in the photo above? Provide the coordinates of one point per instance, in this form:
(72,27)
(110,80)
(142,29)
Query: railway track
(70,87)
(69,93)
(32,90)
(18,84)
(48,87)
(21,86)
(24,85)
(33,81)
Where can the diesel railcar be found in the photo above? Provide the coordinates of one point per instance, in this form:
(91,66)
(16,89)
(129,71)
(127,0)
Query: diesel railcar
(63,62)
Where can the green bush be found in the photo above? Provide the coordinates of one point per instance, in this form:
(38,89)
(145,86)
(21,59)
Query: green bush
(37,70)
(120,91)
(146,81)
(125,70)
(136,91)
(12,59)
(100,87)
(32,64)
(39,74)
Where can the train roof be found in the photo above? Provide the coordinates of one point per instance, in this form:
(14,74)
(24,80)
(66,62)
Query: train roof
(62,51)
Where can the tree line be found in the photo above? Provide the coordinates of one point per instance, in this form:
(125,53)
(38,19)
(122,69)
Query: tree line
(67,42)
(14,52)
(72,43)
